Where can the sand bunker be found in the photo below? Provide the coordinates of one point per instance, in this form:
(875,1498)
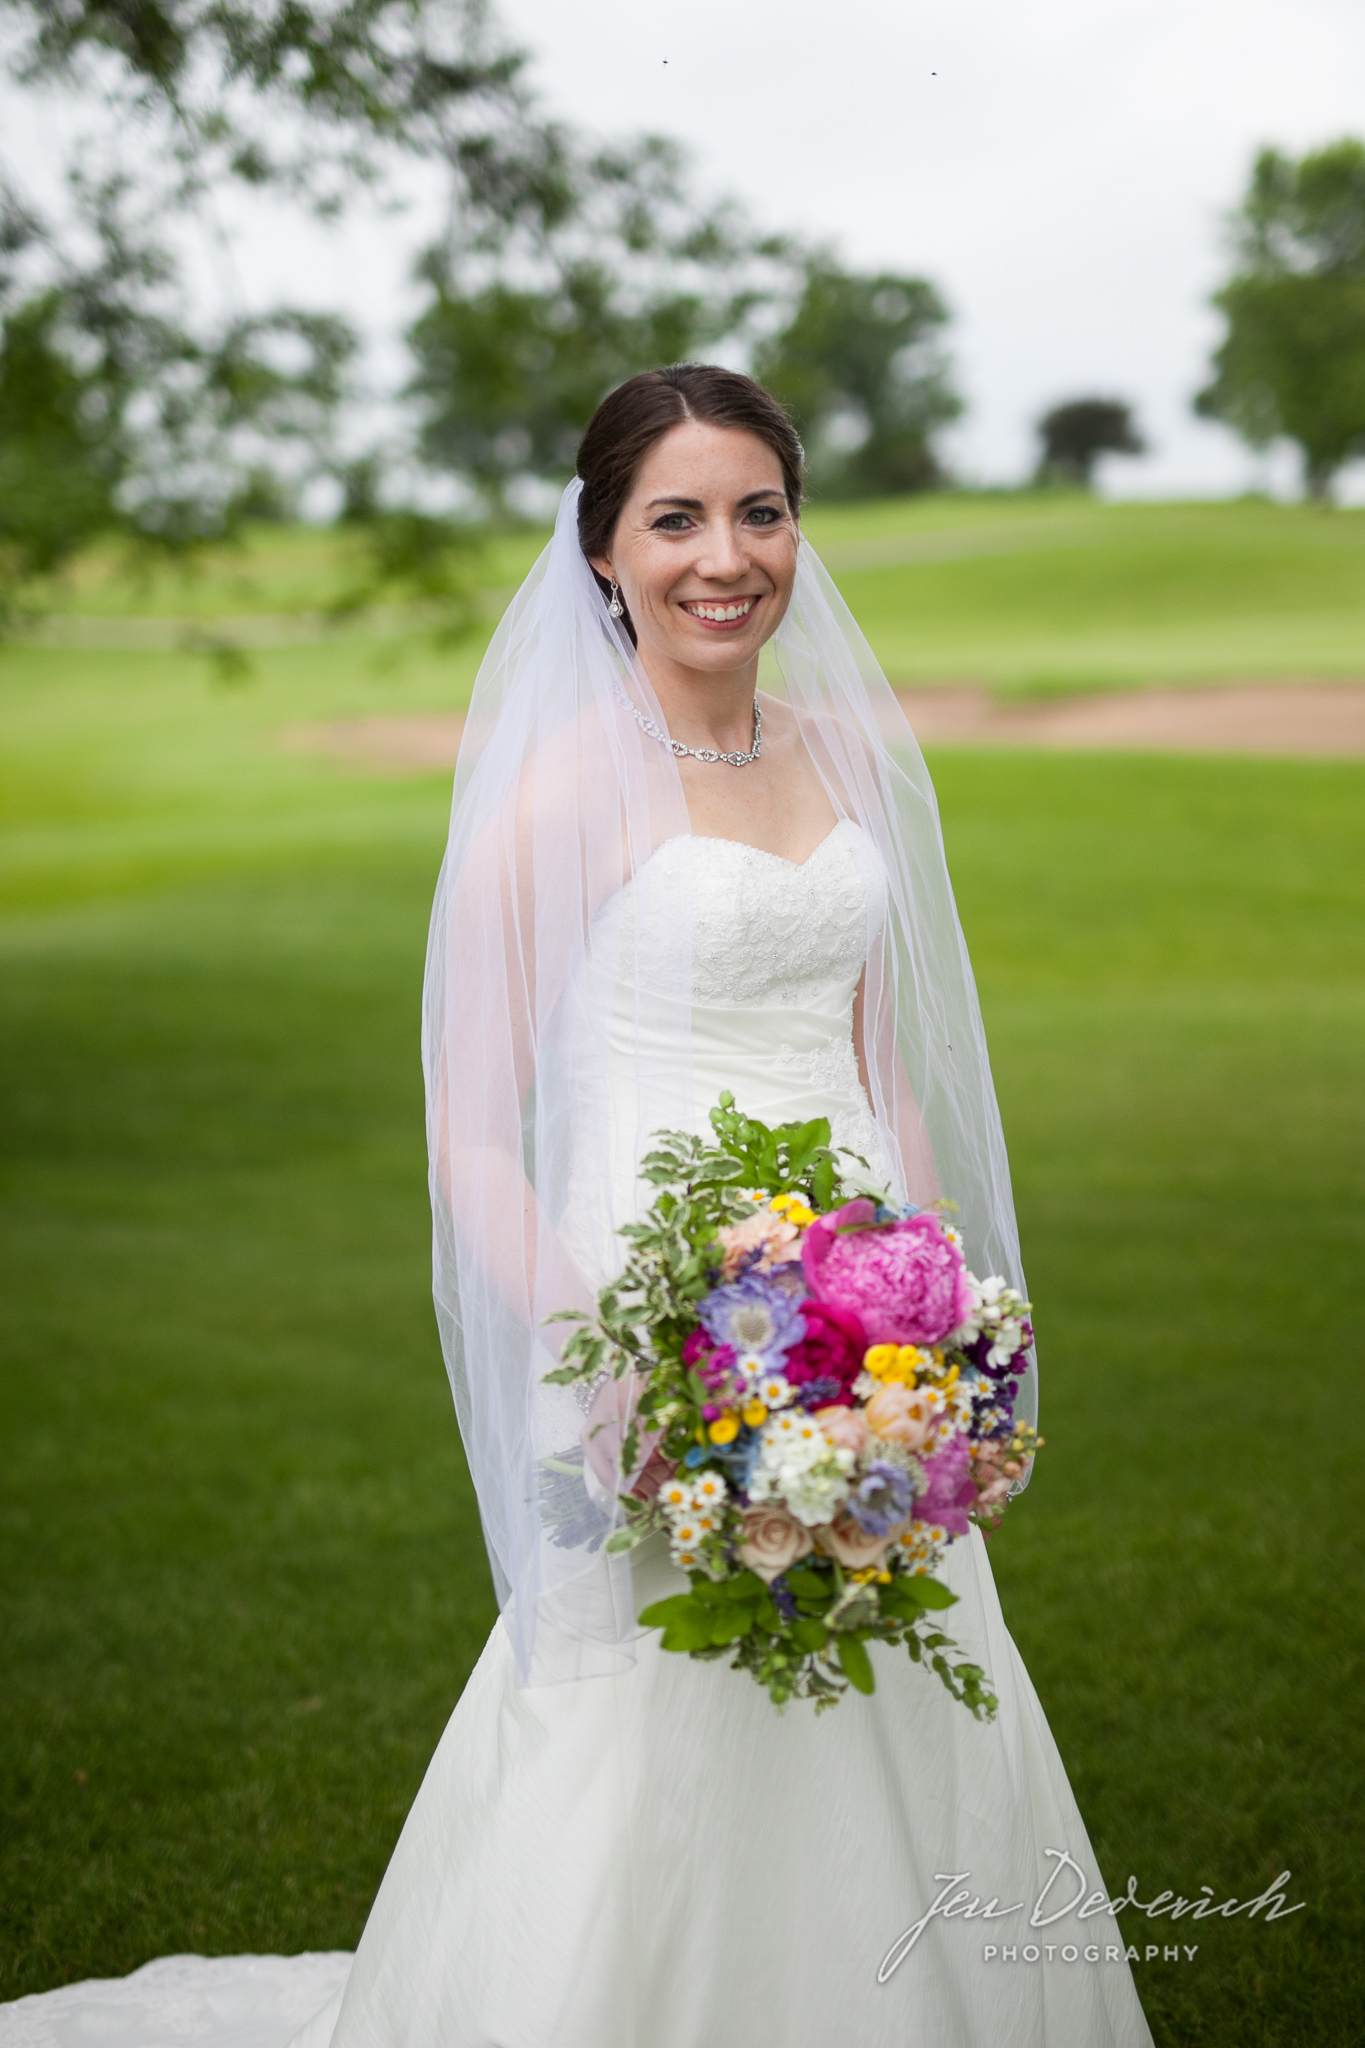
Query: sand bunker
(1233,718)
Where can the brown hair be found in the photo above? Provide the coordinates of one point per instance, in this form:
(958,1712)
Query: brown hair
(641,411)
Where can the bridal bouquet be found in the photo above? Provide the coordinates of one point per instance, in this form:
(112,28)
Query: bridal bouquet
(811,1397)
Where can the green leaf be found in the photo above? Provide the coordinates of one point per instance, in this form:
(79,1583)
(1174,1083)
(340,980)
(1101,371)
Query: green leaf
(692,1633)
(932,1593)
(726,1626)
(663,1613)
(857,1664)
(808,1634)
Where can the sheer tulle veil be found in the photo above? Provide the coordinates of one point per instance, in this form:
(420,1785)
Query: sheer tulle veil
(560,800)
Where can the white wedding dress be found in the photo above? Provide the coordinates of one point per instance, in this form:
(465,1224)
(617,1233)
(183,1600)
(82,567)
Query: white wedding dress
(659,1859)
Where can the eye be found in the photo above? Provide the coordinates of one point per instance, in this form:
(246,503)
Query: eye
(765,515)
(673,522)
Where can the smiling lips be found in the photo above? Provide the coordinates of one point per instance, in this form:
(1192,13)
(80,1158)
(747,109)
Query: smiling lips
(721,614)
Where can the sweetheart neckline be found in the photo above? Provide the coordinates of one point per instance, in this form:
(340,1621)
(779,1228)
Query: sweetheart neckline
(713,839)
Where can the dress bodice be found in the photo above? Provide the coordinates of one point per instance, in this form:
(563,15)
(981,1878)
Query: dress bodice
(763,930)
(719,967)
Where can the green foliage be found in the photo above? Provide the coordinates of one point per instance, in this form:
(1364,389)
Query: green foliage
(507,379)
(1075,435)
(860,368)
(524,336)
(116,417)
(58,455)
(1293,361)
(224,82)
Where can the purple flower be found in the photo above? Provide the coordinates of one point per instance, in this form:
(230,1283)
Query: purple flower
(784,1600)
(820,1393)
(881,1500)
(979,1352)
(758,1319)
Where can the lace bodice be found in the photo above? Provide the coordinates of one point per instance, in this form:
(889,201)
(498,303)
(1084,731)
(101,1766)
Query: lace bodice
(756,960)
(764,930)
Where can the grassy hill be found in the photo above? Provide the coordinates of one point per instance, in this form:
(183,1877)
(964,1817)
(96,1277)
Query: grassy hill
(1028,593)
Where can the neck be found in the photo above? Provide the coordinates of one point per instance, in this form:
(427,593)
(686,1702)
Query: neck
(703,708)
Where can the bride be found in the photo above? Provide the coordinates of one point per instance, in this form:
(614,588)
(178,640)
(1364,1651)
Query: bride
(694,847)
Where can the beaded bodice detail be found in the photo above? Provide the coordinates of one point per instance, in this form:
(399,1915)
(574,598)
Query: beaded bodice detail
(764,931)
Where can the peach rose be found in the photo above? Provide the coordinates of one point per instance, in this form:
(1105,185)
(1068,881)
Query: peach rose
(778,1240)
(845,1427)
(903,1415)
(849,1543)
(772,1541)
(994,1472)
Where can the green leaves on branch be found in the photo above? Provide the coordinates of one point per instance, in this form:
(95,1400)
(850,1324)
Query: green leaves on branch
(823,1647)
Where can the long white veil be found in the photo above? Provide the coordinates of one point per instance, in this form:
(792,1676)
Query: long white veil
(561,800)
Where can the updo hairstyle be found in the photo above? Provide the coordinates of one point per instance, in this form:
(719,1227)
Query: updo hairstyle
(641,411)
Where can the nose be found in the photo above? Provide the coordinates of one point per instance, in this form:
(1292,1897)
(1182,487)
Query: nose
(723,558)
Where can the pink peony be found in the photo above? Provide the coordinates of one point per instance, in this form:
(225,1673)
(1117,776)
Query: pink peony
(772,1541)
(950,1489)
(905,1281)
(846,1428)
(847,1541)
(832,1348)
(777,1241)
(903,1415)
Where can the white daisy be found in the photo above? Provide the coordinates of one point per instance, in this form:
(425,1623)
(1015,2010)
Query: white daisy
(709,1490)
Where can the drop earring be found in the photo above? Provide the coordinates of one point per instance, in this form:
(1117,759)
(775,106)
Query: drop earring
(615,608)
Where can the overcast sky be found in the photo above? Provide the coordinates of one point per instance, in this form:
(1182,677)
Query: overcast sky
(1060,168)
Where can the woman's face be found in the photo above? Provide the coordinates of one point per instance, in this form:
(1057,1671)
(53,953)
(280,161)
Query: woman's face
(705,547)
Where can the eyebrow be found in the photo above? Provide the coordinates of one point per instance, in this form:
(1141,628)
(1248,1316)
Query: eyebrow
(696,505)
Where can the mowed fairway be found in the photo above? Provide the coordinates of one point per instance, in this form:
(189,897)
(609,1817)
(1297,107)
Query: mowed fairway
(242,1580)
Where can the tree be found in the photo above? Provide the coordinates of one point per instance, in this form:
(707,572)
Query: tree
(116,417)
(860,369)
(1292,362)
(122,408)
(519,345)
(1075,435)
(564,267)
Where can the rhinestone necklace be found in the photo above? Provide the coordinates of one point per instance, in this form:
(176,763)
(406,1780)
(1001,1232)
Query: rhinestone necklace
(656,732)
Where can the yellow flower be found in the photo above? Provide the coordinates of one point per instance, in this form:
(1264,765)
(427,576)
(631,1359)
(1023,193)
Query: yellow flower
(724,1429)
(754,1414)
(794,1209)
(891,1362)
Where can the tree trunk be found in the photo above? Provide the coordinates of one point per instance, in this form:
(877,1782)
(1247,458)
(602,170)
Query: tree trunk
(1319,474)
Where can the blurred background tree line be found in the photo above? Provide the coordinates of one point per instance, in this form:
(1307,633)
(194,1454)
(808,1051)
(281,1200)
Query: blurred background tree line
(563,266)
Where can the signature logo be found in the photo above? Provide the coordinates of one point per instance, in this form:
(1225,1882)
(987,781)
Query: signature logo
(1086,1903)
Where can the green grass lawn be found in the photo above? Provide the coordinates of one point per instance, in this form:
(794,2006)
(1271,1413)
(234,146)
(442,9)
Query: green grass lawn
(242,1584)
(1029,593)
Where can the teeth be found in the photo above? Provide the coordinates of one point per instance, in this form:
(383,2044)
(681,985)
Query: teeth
(722,611)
